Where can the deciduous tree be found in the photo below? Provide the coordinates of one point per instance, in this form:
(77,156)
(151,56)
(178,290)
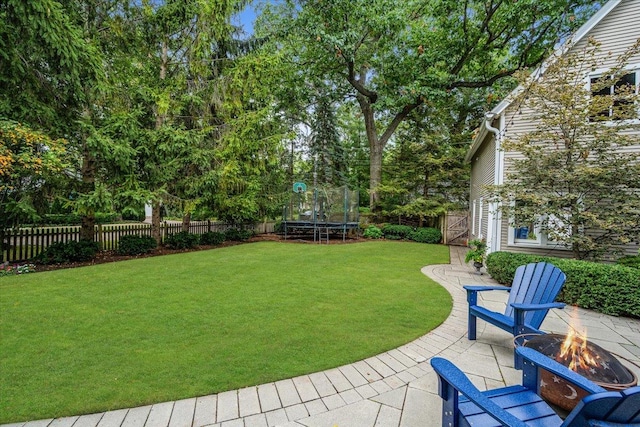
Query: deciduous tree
(579,177)
(393,57)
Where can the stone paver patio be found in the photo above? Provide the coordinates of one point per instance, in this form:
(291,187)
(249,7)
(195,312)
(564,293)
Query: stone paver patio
(396,388)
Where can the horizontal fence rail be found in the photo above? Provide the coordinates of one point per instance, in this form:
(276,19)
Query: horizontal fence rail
(26,243)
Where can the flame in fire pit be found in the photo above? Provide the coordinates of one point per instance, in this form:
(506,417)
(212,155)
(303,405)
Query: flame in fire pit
(575,354)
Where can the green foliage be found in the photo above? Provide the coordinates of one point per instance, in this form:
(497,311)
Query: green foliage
(326,148)
(238,235)
(182,240)
(478,251)
(71,251)
(502,265)
(373,232)
(392,237)
(212,238)
(424,171)
(577,180)
(395,231)
(607,288)
(136,245)
(632,261)
(426,235)
(395,59)
(75,219)
(248,178)
(30,163)
(45,61)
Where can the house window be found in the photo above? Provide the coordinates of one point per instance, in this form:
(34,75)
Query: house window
(547,230)
(524,232)
(611,97)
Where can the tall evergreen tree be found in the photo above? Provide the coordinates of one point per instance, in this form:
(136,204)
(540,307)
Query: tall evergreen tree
(326,148)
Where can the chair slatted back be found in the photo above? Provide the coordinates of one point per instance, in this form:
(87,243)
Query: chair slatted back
(535,283)
(621,408)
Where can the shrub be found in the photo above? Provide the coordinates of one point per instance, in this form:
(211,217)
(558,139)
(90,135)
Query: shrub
(607,288)
(426,235)
(136,245)
(372,232)
(60,219)
(72,251)
(392,237)
(211,238)
(73,219)
(107,218)
(630,261)
(7,269)
(237,235)
(182,240)
(395,232)
(502,265)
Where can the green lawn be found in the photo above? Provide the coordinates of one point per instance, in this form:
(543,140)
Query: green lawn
(164,328)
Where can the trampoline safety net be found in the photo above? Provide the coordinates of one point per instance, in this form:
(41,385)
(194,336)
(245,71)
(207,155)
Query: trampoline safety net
(321,210)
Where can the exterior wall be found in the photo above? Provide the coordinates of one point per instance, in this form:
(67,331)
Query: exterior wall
(616,33)
(482,174)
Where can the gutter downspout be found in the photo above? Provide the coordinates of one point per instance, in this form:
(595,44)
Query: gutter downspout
(492,215)
(488,118)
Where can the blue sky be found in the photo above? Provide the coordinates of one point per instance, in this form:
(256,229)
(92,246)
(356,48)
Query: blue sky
(246,19)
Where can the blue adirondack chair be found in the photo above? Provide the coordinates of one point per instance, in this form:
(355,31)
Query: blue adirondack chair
(531,295)
(521,405)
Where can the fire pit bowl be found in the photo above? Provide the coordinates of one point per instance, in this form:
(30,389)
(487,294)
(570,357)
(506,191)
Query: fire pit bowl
(586,358)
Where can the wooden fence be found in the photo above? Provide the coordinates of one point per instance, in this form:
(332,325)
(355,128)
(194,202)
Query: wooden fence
(26,243)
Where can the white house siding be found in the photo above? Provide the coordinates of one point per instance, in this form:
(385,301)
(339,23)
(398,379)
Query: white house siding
(616,33)
(482,174)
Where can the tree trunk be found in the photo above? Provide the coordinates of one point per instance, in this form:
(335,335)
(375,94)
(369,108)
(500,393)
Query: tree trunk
(155,221)
(377,143)
(375,171)
(186,221)
(375,151)
(160,119)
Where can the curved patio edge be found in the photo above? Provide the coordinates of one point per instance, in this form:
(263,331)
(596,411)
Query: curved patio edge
(394,388)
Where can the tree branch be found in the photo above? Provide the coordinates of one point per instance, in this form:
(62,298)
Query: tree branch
(483,83)
(398,119)
(357,83)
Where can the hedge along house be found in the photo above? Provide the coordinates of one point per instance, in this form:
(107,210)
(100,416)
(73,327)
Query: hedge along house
(616,26)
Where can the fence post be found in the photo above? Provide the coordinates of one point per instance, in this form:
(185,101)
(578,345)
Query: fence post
(100,237)
(2,243)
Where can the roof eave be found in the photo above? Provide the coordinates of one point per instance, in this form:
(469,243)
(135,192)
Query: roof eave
(506,102)
(477,141)
(580,34)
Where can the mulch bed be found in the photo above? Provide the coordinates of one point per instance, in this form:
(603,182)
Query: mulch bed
(111,256)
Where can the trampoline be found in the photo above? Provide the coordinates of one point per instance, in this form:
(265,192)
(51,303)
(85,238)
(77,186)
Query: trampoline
(321,211)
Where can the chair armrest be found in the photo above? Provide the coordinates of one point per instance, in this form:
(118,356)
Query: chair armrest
(532,307)
(542,361)
(598,423)
(486,288)
(451,376)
